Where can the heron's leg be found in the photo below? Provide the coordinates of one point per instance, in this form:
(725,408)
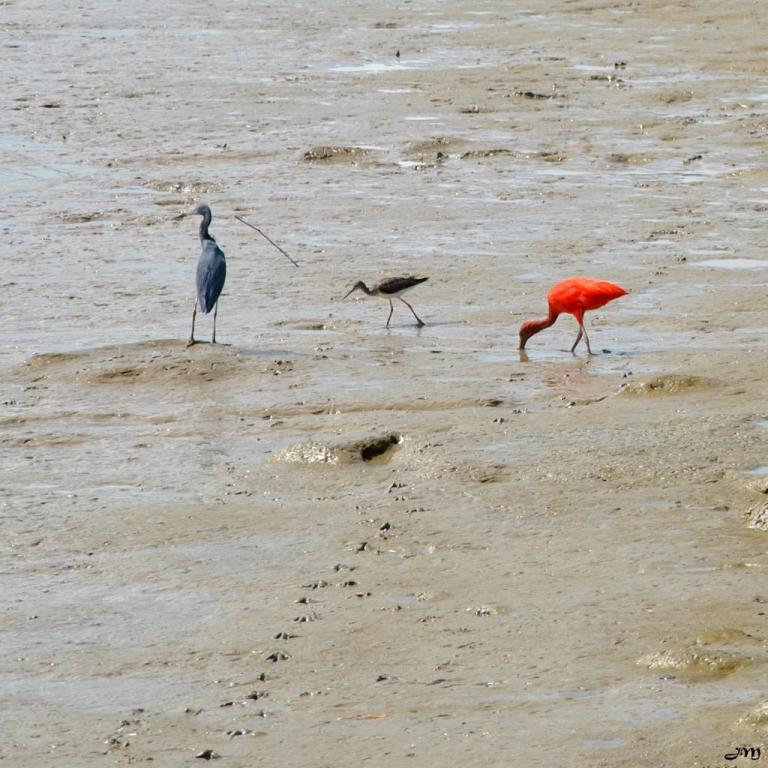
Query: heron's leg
(578,338)
(192,332)
(586,338)
(418,319)
(391,310)
(215,312)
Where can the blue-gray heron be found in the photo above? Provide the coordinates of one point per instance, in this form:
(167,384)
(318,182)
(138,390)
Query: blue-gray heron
(389,289)
(211,273)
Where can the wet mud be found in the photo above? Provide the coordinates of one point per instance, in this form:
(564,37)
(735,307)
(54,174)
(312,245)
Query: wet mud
(325,542)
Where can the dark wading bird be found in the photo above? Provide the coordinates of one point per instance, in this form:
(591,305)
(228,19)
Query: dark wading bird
(391,288)
(574,296)
(211,273)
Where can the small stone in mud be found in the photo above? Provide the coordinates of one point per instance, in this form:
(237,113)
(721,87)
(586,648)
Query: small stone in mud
(208,754)
(363,546)
(284,636)
(307,617)
(276,656)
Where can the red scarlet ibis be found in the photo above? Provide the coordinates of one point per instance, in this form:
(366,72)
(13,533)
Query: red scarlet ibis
(575,296)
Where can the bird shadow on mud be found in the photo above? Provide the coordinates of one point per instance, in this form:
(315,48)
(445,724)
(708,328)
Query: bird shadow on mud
(444,323)
(426,326)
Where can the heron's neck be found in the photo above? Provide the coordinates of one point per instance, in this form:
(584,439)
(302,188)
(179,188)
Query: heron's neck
(204,224)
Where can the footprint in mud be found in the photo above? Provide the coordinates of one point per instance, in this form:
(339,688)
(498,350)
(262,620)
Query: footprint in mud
(307,617)
(207,754)
(305,601)
(319,584)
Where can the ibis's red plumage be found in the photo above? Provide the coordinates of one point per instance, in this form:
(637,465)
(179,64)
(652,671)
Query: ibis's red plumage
(576,295)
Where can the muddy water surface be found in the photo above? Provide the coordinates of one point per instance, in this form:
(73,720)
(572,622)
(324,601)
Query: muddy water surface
(327,543)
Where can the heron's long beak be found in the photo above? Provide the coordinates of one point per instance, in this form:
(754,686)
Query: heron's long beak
(352,291)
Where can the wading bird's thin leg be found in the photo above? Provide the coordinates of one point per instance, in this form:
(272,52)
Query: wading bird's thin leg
(192,332)
(391,310)
(418,319)
(215,312)
(578,339)
(586,338)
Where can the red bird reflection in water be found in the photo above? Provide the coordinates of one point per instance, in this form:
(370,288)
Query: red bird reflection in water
(575,296)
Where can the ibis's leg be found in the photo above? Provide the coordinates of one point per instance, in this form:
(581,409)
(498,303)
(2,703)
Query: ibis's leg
(192,332)
(418,319)
(215,312)
(586,338)
(391,310)
(578,338)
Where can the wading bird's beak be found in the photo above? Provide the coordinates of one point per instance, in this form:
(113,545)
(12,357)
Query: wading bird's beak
(348,292)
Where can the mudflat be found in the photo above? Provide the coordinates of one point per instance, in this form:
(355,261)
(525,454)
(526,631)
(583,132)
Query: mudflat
(326,543)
